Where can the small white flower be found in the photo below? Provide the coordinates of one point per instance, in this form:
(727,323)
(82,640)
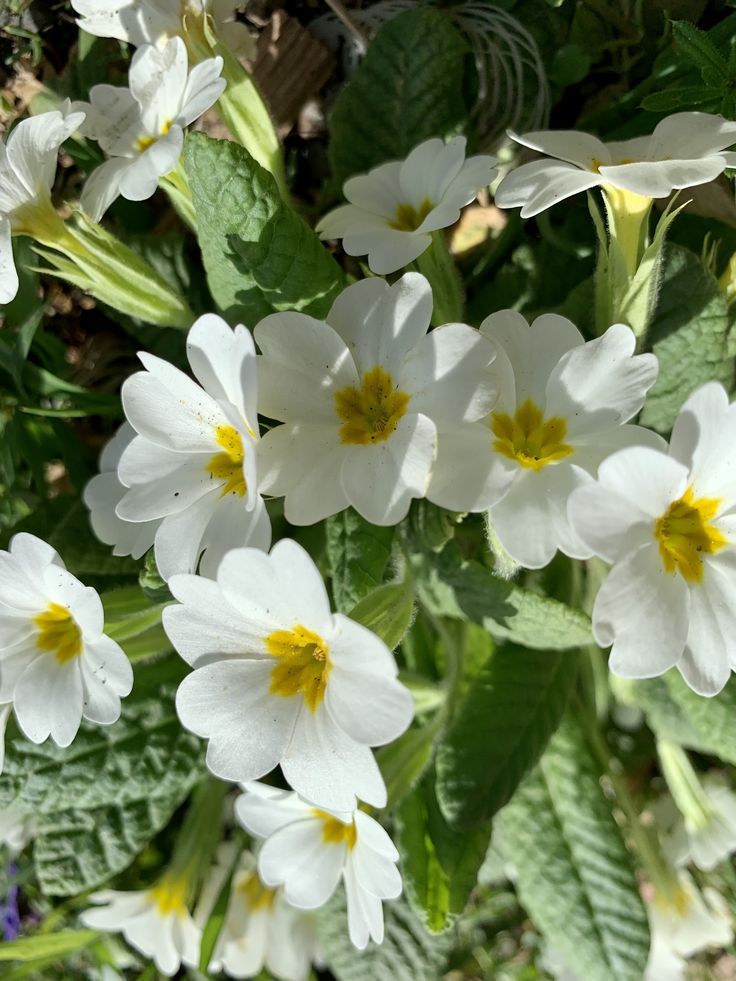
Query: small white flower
(155,21)
(155,921)
(362,396)
(683,924)
(684,150)
(279,679)
(188,480)
(17,827)
(141,128)
(27,170)
(395,208)
(711,838)
(665,521)
(308,851)
(104,492)
(56,664)
(561,409)
(262,930)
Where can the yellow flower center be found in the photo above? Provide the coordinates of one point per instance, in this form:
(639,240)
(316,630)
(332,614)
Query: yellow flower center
(685,536)
(257,895)
(371,413)
(170,896)
(143,142)
(408,218)
(58,633)
(530,439)
(304,664)
(228,465)
(335,832)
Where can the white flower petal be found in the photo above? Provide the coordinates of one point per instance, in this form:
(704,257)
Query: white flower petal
(711,646)
(660,178)
(376,875)
(48,700)
(566,144)
(300,582)
(691,134)
(102,187)
(297,857)
(8,273)
(378,191)
(611,525)
(202,90)
(233,526)
(468,475)
(392,252)
(643,612)
(170,494)
(542,184)
(102,495)
(365,912)
(139,181)
(328,768)
(178,543)
(224,363)
(262,809)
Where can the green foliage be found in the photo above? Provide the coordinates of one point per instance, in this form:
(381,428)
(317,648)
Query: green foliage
(710,719)
(259,255)
(439,864)
(449,586)
(689,333)
(357,554)
(575,876)
(500,730)
(387,611)
(411,78)
(46,945)
(408,952)
(99,802)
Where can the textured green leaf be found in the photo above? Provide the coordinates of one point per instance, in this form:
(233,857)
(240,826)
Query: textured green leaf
(439,864)
(688,333)
(259,255)
(449,586)
(47,945)
(101,800)
(408,952)
(500,730)
(404,761)
(387,611)
(710,720)
(358,554)
(664,716)
(575,876)
(408,89)
(695,45)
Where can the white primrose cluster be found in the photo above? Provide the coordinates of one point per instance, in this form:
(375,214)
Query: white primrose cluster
(528,423)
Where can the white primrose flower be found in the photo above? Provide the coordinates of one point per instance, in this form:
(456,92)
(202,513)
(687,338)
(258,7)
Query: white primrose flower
(279,679)
(394,208)
(154,921)
(710,839)
(27,170)
(262,930)
(682,925)
(308,851)
(684,150)
(155,21)
(56,664)
(665,521)
(141,128)
(562,408)
(187,480)
(104,492)
(362,395)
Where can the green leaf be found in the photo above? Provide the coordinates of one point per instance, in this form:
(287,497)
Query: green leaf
(575,876)
(387,611)
(259,254)
(408,89)
(45,945)
(695,46)
(500,730)
(101,800)
(439,864)
(408,952)
(64,524)
(682,98)
(688,333)
(710,719)
(404,761)
(357,553)
(449,586)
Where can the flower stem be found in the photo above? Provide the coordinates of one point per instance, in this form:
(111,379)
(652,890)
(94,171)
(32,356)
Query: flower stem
(438,266)
(176,186)
(627,222)
(682,780)
(199,836)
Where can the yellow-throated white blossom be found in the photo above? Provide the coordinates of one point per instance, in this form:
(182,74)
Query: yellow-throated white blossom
(563,406)
(141,127)
(260,929)
(57,667)
(707,838)
(308,851)
(394,208)
(186,475)
(27,170)
(685,149)
(279,679)
(362,395)
(156,922)
(666,521)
